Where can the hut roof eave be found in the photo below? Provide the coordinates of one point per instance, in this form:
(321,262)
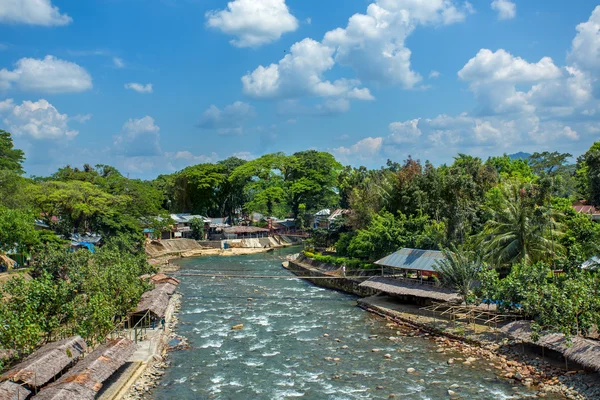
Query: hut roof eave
(401,288)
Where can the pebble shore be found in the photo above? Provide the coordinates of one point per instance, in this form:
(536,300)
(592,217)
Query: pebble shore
(517,367)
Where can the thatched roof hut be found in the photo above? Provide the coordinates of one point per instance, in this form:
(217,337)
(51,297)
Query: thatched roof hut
(584,352)
(156,301)
(403,288)
(85,380)
(162,278)
(166,287)
(47,362)
(13,391)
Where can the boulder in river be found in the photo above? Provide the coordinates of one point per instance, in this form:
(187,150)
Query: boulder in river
(237,327)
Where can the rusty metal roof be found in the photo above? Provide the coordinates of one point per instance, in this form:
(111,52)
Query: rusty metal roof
(414,259)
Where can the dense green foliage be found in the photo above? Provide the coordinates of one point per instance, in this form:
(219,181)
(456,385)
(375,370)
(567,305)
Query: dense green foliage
(72,293)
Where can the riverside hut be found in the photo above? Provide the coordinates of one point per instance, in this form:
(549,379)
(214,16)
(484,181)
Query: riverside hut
(46,363)
(13,391)
(412,261)
(162,278)
(584,352)
(85,380)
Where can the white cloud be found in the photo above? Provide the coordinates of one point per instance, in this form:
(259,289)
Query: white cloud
(32,12)
(501,66)
(81,118)
(6,105)
(139,87)
(506,9)
(254,22)
(118,62)
(373,44)
(434,74)
(300,73)
(403,132)
(244,155)
(49,75)
(38,120)
(229,120)
(585,49)
(363,149)
(139,138)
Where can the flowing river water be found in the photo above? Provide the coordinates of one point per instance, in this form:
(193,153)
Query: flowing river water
(283,352)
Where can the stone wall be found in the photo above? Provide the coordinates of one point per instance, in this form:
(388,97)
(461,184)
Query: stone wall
(300,268)
(213,244)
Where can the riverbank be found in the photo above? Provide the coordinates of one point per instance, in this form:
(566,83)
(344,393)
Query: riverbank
(160,253)
(502,355)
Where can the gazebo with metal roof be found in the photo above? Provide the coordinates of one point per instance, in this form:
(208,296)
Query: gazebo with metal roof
(413,260)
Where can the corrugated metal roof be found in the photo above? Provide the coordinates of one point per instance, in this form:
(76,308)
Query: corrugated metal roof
(415,259)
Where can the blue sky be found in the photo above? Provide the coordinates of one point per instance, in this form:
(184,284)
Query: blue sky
(151,86)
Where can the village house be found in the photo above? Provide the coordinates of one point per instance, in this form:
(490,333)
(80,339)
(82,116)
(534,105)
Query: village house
(582,207)
(182,228)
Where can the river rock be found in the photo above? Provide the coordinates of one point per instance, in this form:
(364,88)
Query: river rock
(326,335)
(451,392)
(388,355)
(237,327)
(410,370)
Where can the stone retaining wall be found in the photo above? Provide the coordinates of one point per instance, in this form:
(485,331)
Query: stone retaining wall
(299,268)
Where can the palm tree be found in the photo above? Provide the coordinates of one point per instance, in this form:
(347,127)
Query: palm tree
(521,229)
(459,270)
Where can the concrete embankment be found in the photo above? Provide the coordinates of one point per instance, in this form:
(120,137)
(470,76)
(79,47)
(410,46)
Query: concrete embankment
(161,251)
(303,266)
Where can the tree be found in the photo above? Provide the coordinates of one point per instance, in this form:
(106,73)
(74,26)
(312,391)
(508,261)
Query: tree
(197,226)
(459,270)
(264,184)
(311,179)
(520,229)
(11,159)
(17,231)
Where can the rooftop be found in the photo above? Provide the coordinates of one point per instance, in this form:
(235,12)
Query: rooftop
(414,259)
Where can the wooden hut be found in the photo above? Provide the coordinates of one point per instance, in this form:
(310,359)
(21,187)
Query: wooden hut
(584,352)
(408,289)
(46,363)
(13,391)
(155,301)
(85,380)
(162,278)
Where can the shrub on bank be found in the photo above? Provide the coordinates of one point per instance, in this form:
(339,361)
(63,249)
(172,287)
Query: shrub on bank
(349,263)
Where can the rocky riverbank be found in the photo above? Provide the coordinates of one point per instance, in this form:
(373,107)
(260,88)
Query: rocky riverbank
(510,362)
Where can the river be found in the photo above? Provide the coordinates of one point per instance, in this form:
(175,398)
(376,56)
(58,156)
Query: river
(283,352)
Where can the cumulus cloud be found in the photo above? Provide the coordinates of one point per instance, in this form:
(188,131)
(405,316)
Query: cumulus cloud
(404,132)
(48,75)
(139,138)
(585,48)
(434,74)
(36,120)
(300,73)
(254,22)
(229,120)
(32,12)
(506,9)
(501,66)
(362,150)
(139,87)
(372,44)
